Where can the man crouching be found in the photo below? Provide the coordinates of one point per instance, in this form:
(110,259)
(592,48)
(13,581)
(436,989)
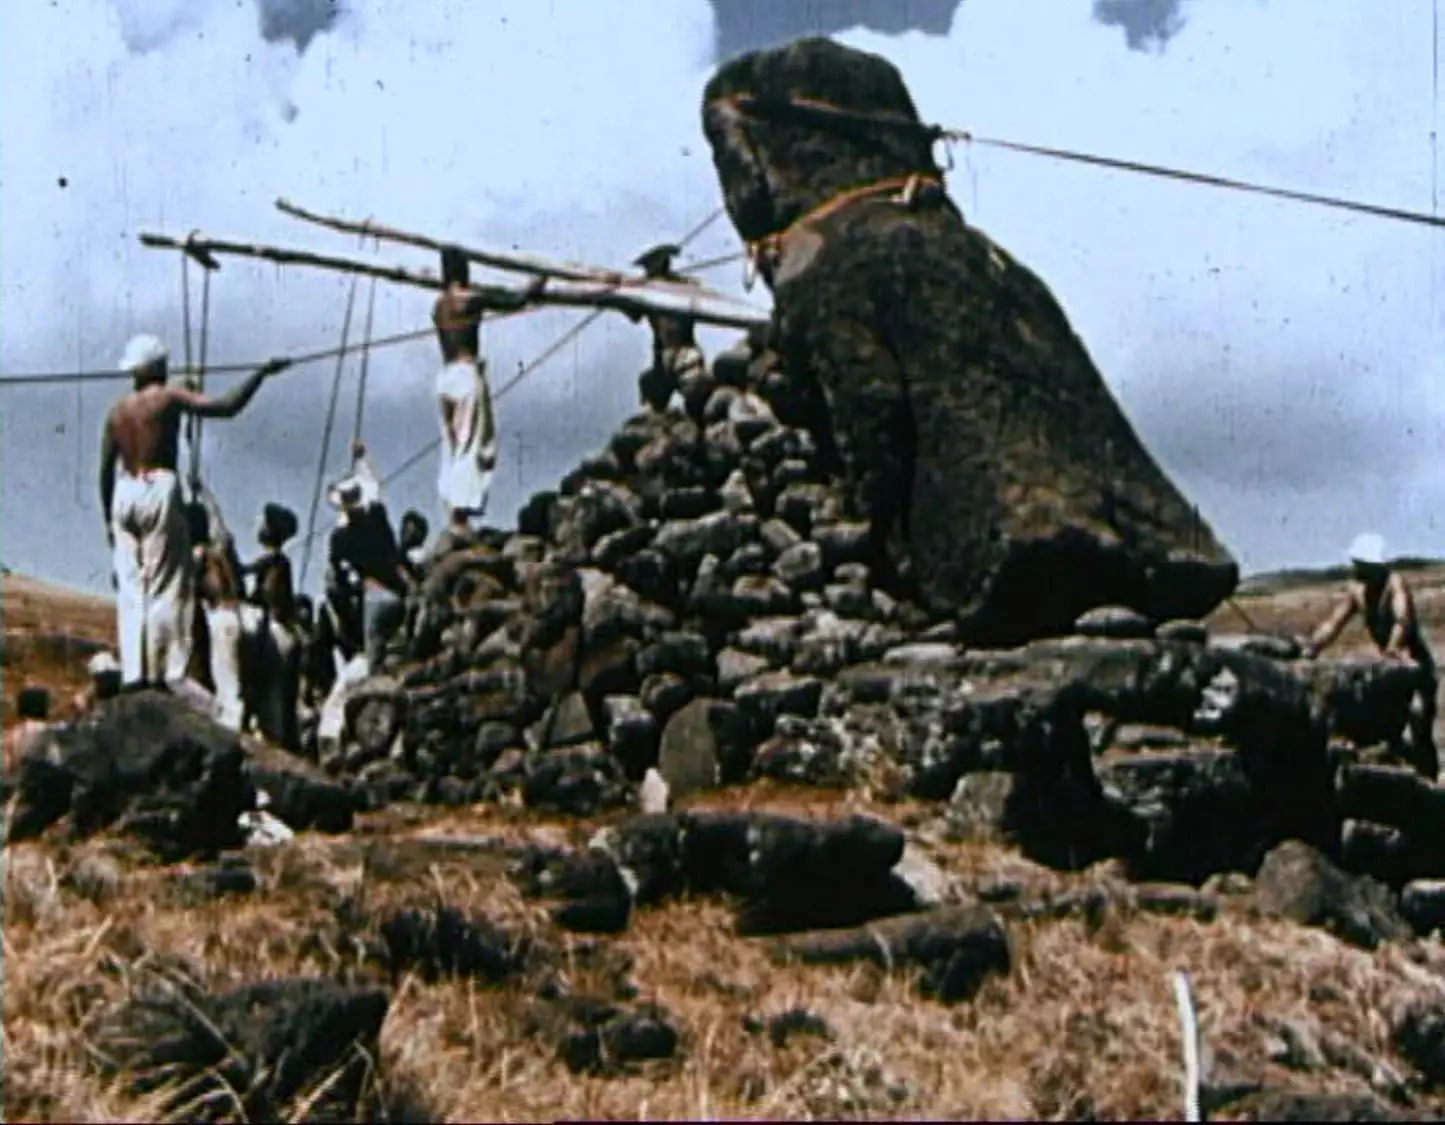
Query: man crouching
(1382,598)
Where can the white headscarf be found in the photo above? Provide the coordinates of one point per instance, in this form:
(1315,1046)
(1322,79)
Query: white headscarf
(143,350)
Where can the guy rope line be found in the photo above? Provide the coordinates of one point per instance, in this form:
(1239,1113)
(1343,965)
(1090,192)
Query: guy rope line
(825,113)
(201,353)
(110,374)
(326,433)
(692,235)
(713,263)
(365,364)
(1435,107)
(191,422)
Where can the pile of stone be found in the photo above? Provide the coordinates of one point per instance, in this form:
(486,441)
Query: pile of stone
(697,599)
(694,581)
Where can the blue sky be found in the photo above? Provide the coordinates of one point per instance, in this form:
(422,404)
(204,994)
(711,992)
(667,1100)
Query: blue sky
(1284,363)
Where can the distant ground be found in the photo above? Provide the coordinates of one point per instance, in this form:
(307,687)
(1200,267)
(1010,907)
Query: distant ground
(1084,1027)
(50,633)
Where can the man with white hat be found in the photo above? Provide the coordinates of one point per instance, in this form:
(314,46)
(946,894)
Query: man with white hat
(104,670)
(145,514)
(1382,599)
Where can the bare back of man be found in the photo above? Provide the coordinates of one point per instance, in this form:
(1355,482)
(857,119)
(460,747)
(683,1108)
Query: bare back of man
(1387,610)
(145,426)
(145,516)
(458,323)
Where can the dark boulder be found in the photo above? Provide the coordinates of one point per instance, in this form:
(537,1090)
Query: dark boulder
(258,1048)
(958,948)
(1298,883)
(146,764)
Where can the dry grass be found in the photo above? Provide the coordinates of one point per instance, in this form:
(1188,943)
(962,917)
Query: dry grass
(49,634)
(1084,1026)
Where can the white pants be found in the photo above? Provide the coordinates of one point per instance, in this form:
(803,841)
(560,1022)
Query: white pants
(227,630)
(154,581)
(255,667)
(333,711)
(469,444)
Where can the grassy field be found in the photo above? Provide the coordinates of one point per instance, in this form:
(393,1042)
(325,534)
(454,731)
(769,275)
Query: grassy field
(1084,1027)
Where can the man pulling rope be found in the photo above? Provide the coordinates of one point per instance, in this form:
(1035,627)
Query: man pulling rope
(145,513)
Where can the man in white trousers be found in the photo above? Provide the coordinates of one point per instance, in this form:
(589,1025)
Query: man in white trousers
(145,514)
(464,396)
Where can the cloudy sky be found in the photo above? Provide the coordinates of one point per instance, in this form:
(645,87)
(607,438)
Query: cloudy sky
(1283,362)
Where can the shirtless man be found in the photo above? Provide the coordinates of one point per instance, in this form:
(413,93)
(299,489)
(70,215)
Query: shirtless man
(144,514)
(464,397)
(677,362)
(1382,598)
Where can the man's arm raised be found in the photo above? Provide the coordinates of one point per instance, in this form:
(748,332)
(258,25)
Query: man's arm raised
(1331,628)
(231,403)
(497,298)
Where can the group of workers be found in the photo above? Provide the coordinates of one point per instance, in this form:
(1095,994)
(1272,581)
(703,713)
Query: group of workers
(186,613)
(168,552)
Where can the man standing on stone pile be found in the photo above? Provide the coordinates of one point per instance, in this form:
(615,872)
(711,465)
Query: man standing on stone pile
(1382,598)
(145,514)
(464,396)
(364,550)
(677,362)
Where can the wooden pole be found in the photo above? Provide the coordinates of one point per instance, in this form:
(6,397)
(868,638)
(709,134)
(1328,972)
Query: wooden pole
(628,295)
(520,263)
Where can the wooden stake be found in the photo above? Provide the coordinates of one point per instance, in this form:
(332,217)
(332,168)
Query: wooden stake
(638,296)
(518,263)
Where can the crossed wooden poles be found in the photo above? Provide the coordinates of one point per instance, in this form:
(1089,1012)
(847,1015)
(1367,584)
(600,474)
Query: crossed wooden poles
(569,284)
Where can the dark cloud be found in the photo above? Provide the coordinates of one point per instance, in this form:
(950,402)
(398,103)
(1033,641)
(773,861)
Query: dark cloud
(744,25)
(1148,24)
(297,20)
(1274,431)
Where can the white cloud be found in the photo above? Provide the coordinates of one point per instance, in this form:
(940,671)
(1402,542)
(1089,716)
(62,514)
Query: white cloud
(569,128)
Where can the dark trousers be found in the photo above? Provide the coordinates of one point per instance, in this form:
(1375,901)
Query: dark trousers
(1421,751)
(385,612)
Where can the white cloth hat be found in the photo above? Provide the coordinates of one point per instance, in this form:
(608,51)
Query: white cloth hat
(1368,549)
(143,351)
(103,663)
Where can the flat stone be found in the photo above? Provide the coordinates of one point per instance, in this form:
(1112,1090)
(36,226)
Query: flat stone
(801,566)
(778,536)
(735,666)
(779,693)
